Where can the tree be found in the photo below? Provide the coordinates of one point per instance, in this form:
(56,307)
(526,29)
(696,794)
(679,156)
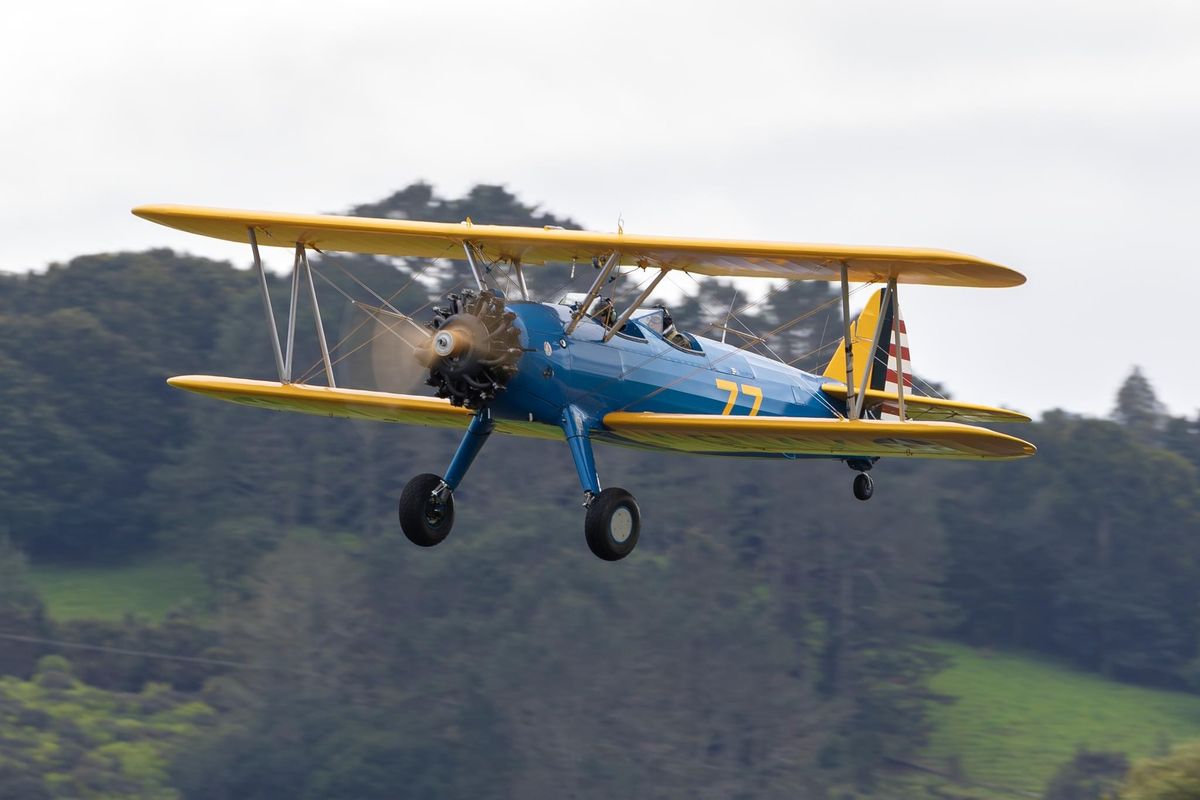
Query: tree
(1091,551)
(1138,408)
(1089,775)
(21,612)
(1182,436)
(1175,776)
(85,416)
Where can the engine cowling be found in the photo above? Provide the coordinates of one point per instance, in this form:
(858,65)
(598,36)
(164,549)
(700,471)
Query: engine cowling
(474,349)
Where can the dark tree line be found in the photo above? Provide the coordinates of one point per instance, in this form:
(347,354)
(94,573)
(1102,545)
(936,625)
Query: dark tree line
(1090,550)
(764,641)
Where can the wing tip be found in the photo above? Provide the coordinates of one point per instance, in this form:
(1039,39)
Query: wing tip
(1015,278)
(191,383)
(155,212)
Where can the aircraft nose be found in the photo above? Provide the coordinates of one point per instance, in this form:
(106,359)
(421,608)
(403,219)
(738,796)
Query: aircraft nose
(446,344)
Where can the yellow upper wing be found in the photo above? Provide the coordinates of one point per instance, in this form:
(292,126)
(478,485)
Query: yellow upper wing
(540,245)
(703,433)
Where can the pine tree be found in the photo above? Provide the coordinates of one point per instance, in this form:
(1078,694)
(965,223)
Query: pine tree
(1138,407)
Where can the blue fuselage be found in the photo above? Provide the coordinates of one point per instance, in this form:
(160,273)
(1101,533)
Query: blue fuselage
(638,370)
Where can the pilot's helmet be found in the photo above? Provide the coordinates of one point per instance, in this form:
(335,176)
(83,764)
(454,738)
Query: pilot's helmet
(654,319)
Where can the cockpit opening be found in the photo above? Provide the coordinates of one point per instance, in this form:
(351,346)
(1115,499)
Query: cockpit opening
(655,318)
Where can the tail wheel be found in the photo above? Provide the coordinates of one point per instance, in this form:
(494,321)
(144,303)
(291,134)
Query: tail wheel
(613,524)
(425,519)
(864,487)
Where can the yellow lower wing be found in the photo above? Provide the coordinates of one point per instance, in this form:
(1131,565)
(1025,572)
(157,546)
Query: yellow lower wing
(351,403)
(696,433)
(704,433)
(931,409)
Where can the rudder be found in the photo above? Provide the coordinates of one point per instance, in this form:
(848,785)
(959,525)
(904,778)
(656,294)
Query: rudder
(879,364)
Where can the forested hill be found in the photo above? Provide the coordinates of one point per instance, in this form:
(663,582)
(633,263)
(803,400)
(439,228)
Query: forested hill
(763,641)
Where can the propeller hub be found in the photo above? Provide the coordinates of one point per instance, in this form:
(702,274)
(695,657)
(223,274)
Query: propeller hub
(447,344)
(474,349)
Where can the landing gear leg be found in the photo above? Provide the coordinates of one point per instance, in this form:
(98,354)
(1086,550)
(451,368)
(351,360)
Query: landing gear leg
(613,521)
(427,503)
(864,487)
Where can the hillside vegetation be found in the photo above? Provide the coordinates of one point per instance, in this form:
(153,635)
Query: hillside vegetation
(767,639)
(1016,718)
(147,587)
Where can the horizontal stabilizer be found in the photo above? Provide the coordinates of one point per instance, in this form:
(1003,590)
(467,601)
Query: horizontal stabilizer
(931,409)
(839,438)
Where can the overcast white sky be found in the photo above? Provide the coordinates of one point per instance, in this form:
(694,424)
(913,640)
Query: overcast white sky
(1057,138)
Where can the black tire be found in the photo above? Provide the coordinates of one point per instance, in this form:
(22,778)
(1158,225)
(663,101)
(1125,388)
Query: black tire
(424,521)
(613,524)
(864,487)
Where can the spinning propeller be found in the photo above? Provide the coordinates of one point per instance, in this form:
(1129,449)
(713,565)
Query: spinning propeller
(467,352)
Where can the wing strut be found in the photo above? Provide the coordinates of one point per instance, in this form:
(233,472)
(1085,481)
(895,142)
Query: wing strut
(872,361)
(899,348)
(291,328)
(516,265)
(284,358)
(478,273)
(852,405)
(597,285)
(270,312)
(312,290)
(475,257)
(635,305)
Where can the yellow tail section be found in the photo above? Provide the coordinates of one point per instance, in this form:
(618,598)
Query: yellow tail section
(885,365)
(862,334)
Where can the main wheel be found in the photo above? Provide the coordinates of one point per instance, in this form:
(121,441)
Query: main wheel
(424,519)
(613,524)
(864,487)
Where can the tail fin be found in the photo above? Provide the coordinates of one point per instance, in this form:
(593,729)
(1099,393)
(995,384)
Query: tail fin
(877,365)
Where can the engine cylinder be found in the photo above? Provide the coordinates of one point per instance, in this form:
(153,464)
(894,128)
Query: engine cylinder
(474,349)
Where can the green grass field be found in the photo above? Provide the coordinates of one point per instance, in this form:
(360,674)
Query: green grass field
(1018,717)
(149,588)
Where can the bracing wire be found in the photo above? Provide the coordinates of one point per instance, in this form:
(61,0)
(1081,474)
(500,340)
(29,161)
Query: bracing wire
(509,282)
(779,329)
(318,365)
(126,651)
(876,362)
(730,315)
(377,334)
(624,373)
(656,356)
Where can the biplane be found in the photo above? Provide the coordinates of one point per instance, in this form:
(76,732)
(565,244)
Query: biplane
(582,370)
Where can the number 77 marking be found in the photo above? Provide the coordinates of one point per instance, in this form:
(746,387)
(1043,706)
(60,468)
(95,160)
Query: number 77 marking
(732,388)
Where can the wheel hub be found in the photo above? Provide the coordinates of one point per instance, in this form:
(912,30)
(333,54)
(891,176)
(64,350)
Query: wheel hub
(621,525)
(435,512)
